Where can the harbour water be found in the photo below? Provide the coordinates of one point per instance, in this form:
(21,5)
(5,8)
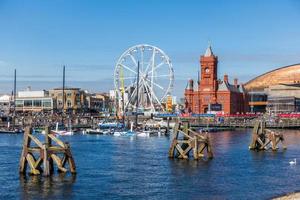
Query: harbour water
(139,168)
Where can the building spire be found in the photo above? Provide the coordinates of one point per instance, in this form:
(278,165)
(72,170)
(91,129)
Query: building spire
(208,51)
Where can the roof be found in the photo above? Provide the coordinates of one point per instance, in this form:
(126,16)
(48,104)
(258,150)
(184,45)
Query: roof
(5,98)
(225,86)
(283,75)
(208,52)
(67,88)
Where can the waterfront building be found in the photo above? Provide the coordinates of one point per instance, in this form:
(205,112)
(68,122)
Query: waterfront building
(283,98)
(277,87)
(283,105)
(5,103)
(98,102)
(75,99)
(34,101)
(212,94)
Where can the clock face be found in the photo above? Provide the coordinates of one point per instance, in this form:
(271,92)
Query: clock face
(206,70)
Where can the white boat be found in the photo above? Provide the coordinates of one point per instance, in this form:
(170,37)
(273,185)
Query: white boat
(124,133)
(62,132)
(109,125)
(144,134)
(93,131)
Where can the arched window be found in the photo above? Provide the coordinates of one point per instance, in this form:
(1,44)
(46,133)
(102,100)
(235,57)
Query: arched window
(69,104)
(59,103)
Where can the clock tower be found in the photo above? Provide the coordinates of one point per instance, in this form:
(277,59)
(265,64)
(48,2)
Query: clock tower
(208,63)
(208,84)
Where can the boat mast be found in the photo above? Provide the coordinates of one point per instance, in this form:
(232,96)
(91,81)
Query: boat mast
(137,94)
(15,91)
(123,91)
(63,90)
(63,97)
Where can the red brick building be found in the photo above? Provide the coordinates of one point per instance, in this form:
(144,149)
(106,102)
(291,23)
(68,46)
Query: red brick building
(213,94)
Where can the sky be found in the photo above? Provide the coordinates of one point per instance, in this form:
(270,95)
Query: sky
(38,37)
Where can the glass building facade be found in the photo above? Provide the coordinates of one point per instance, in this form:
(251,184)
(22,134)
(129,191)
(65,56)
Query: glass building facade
(34,104)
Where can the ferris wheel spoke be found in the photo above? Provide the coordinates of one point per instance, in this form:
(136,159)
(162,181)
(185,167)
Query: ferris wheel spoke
(142,60)
(129,86)
(157,76)
(151,62)
(133,94)
(124,66)
(133,60)
(156,67)
(131,98)
(157,85)
(149,93)
(153,94)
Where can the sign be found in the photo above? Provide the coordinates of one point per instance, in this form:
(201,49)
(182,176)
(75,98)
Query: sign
(216,107)
(203,115)
(166,115)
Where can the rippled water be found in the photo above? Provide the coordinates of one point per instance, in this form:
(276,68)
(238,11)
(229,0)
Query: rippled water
(122,168)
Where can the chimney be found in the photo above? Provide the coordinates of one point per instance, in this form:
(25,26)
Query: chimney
(226,78)
(236,82)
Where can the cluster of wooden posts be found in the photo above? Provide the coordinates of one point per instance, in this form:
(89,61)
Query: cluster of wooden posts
(186,140)
(41,156)
(264,139)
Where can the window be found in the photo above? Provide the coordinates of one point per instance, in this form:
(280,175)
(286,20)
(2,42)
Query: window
(37,103)
(27,103)
(19,103)
(206,99)
(60,103)
(47,103)
(69,104)
(69,94)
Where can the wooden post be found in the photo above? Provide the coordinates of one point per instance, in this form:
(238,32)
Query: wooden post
(26,144)
(168,125)
(46,164)
(189,140)
(48,143)
(262,137)
(47,154)
(174,140)
(195,151)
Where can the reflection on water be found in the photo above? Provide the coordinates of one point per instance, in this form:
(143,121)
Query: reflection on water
(122,168)
(35,187)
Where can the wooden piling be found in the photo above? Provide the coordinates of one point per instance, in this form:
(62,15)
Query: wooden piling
(41,156)
(264,139)
(186,140)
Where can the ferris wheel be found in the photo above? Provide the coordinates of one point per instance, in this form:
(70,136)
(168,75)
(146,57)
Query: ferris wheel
(143,77)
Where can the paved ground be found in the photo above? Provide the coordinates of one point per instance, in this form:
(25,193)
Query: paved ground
(292,196)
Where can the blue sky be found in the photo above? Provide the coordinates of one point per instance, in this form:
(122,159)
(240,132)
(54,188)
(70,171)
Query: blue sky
(38,37)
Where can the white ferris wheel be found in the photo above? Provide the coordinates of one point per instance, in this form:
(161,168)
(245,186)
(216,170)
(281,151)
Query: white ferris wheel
(147,88)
